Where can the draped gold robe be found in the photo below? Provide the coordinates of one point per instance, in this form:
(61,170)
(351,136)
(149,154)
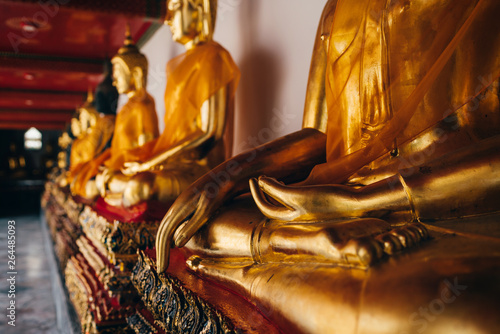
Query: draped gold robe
(192,78)
(395,70)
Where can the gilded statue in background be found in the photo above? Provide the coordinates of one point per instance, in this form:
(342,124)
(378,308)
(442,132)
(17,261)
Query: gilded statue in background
(401,125)
(199,101)
(92,131)
(64,141)
(136,123)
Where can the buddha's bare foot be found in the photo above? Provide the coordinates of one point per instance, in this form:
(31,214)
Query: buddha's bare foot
(105,179)
(91,189)
(358,243)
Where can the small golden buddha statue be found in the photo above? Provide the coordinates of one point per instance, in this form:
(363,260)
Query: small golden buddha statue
(199,100)
(64,141)
(401,125)
(92,131)
(136,123)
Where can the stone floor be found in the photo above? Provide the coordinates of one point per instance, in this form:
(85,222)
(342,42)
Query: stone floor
(34,299)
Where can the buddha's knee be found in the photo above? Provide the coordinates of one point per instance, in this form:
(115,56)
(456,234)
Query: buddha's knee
(112,181)
(62,180)
(139,188)
(169,184)
(91,189)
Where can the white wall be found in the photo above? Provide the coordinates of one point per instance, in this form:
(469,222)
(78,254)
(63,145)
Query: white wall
(271,41)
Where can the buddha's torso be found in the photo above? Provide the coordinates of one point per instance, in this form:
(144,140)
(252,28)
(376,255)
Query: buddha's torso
(380,51)
(136,123)
(88,145)
(192,78)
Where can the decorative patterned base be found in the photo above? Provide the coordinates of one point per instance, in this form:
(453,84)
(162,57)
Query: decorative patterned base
(96,256)
(98,310)
(175,308)
(64,230)
(178,301)
(143,322)
(119,241)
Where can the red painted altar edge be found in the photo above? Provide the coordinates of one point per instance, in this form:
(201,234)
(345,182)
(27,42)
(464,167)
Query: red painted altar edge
(243,315)
(145,211)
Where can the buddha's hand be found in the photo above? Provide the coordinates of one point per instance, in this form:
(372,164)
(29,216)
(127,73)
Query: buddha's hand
(102,179)
(286,156)
(303,203)
(191,210)
(132,168)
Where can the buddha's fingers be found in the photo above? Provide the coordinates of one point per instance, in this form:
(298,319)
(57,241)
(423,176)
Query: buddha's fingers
(268,209)
(289,196)
(179,211)
(102,180)
(200,217)
(99,182)
(130,168)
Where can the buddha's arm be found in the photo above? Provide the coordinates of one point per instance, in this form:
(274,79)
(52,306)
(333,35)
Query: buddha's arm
(461,183)
(85,147)
(315,112)
(213,113)
(143,123)
(290,157)
(144,137)
(136,131)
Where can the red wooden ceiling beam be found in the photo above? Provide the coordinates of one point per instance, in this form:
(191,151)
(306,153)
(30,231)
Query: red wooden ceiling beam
(50,63)
(26,125)
(36,116)
(153,9)
(51,100)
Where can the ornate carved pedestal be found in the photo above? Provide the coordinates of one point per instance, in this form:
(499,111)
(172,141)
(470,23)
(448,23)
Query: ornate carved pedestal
(179,301)
(441,283)
(62,212)
(96,254)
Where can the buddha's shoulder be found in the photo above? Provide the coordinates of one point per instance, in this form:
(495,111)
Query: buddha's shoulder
(213,51)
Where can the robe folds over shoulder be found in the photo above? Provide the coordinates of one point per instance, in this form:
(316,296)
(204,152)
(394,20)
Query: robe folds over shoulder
(397,68)
(192,78)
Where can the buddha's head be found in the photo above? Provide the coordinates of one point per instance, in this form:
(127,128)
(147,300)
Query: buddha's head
(130,67)
(191,21)
(76,129)
(87,116)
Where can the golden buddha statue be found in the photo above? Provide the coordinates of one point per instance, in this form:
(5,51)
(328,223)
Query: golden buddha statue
(401,127)
(92,131)
(64,141)
(199,100)
(136,123)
